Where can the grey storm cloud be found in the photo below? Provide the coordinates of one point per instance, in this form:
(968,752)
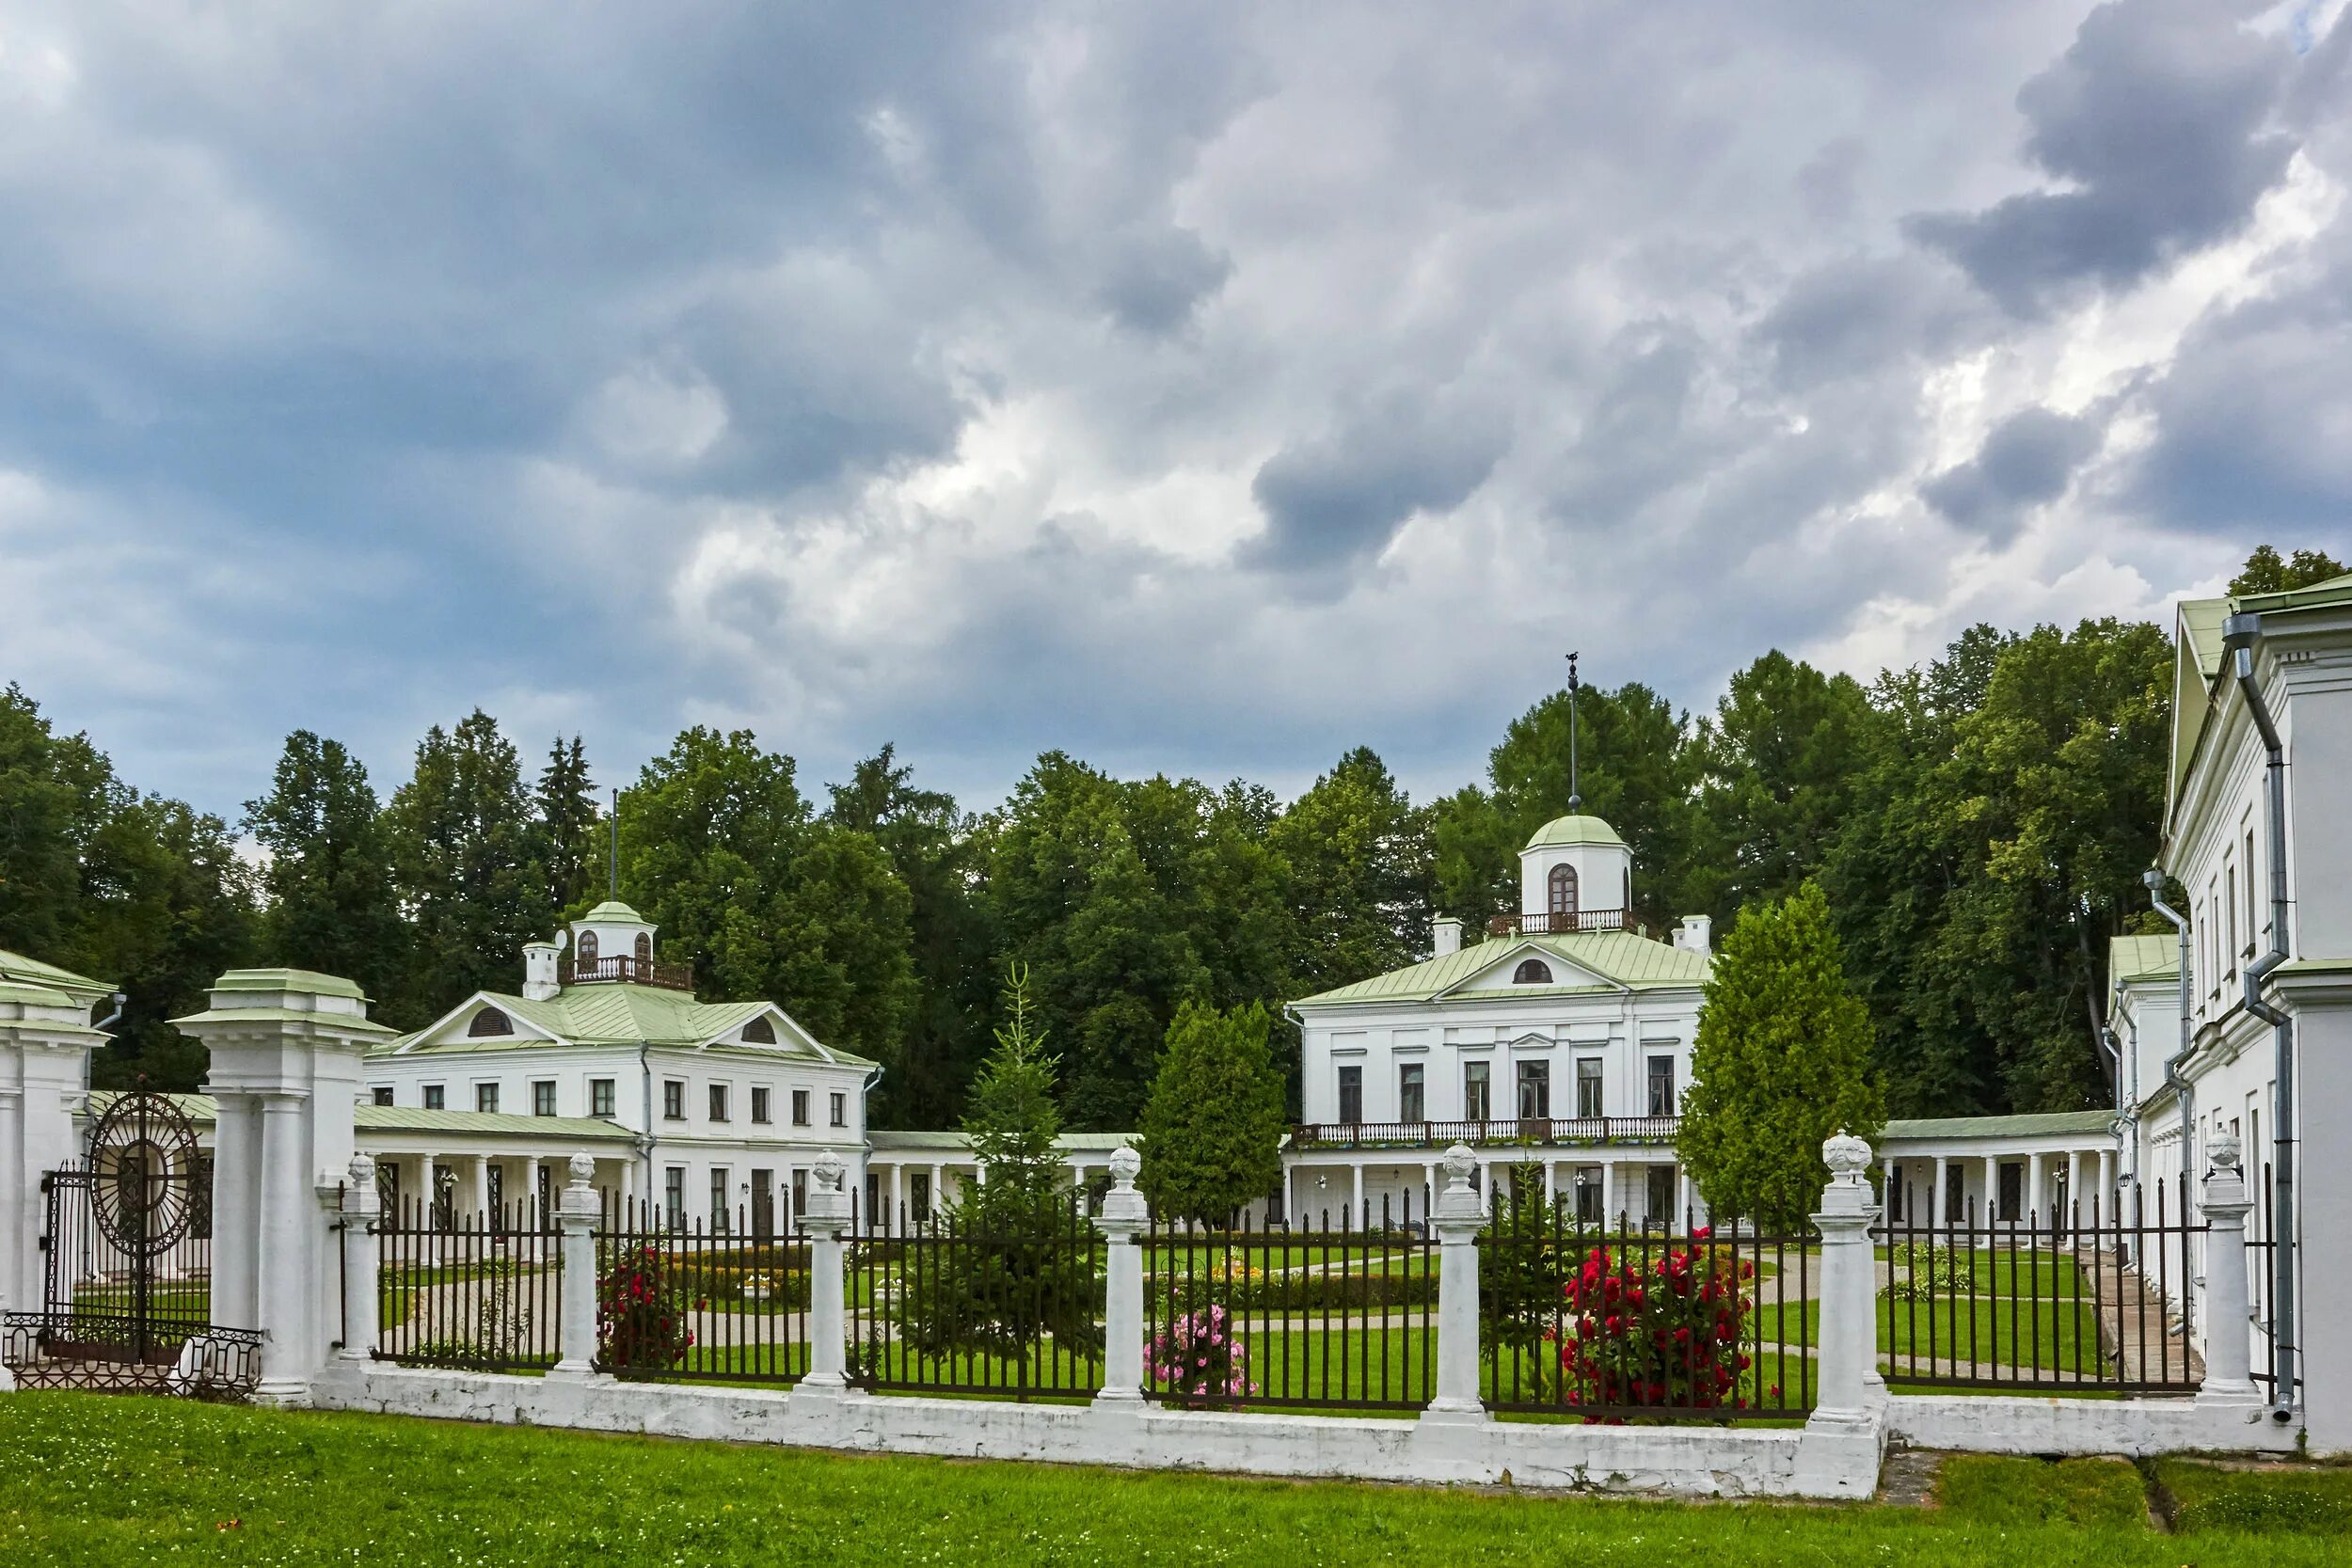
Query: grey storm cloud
(1202,388)
(2158,120)
(2027,460)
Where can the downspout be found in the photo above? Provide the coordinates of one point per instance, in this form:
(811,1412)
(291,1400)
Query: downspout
(121,1000)
(2180,1085)
(645,1139)
(2238,634)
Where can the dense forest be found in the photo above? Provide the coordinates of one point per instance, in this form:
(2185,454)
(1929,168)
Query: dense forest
(1978,824)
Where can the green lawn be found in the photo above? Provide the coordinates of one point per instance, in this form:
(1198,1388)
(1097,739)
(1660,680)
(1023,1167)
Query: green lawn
(101,1482)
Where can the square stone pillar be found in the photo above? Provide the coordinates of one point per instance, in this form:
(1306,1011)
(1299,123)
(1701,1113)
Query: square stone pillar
(1457,1218)
(45,1045)
(285,1046)
(1124,1216)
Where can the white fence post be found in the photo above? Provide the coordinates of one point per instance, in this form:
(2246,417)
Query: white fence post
(826,1216)
(1123,1218)
(361,1207)
(1849,1274)
(576,1212)
(2228,1352)
(1456,1217)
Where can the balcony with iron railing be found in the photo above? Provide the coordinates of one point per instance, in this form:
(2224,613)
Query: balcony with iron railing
(1537,1132)
(621,969)
(1562,923)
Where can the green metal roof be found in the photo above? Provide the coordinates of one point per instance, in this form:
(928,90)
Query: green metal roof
(348,1023)
(624,1013)
(613,909)
(1566,832)
(1620,957)
(289,979)
(2197,658)
(2034,1125)
(16,968)
(2145,957)
(199,1109)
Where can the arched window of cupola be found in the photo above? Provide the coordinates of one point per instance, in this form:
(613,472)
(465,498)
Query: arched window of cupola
(1531,971)
(644,947)
(584,950)
(1563,890)
(489,1021)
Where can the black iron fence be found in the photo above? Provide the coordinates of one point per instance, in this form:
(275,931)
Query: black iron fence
(1649,1321)
(1339,1312)
(100,1351)
(2081,1296)
(700,1303)
(481,1290)
(1005,1303)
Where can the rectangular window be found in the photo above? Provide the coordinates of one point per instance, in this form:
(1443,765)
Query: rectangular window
(1588,1195)
(841,1110)
(719,1204)
(2012,1190)
(920,1196)
(540,1218)
(672,1099)
(1662,1086)
(1351,1095)
(436,1098)
(1534,1091)
(494,1191)
(543,1097)
(1409,1096)
(2230,876)
(718,1102)
(763,1203)
(760,1112)
(1955,1194)
(1588,1101)
(800,1193)
(799,1107)
(381,1094)
(673,1197)
(485,1097)
(1659,1198)
(600,1097)
(1477,1092)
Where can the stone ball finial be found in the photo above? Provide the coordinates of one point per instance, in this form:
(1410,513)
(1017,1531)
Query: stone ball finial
(1460,1164)
(582,1167)
(2224,1152)
(1125,1162)
(1846,1155)
(829,1171)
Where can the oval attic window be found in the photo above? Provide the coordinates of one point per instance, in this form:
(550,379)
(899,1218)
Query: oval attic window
(1534,972)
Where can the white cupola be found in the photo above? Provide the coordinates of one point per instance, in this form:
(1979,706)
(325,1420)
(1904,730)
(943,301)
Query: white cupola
(611,942)
(1576,874)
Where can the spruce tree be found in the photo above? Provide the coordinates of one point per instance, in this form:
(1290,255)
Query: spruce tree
(332,905)
(1779,1065)
(1212,1128)
(571,829)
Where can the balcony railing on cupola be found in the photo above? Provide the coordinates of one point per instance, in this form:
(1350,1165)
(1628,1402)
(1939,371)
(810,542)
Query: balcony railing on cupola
(623,968)
(1561,923)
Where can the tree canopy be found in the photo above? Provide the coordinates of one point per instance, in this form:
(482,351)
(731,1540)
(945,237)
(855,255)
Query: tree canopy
(1212,1128)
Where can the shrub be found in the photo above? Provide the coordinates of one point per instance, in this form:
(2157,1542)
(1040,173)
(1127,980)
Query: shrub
(641,1313)
(501,1336)
(1921,1270)
(1239,1288)
(1200,1362)
(1664,1335)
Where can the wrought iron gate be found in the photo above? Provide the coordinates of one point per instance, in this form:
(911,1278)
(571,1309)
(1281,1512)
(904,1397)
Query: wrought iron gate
(127,1248)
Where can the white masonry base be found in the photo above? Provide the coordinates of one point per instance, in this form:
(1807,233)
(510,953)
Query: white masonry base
(1705,1461)
(2137,1427)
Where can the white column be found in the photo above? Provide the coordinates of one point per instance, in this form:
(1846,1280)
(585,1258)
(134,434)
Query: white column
(2037,1201)
(427,1189)
(939,1189)
(2106,1187)
(1123,1217)
(826,1216)
(285,1280)
(1429,1187)
(1682,1192)
(2075,1190)
(2229,1351)
(1939,1206)
(1609,1199)
(482,1188)
(533,1218)
(896,1220)
(1550,1186)
(1992,1190)
(236,1209)
(576,1212)
(18,1186)
(361,1209)
(1456,1220)
(1356,1192)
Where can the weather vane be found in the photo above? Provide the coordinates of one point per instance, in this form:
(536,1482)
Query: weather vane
(1576,801)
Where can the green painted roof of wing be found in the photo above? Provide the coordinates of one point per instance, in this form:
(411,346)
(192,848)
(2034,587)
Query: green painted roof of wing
(2143,958)
(1565,831)
(619,1014)
(26,970)
(2033,1125)
(1619,957)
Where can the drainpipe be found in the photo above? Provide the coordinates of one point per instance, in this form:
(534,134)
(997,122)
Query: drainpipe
(2180,1087)
(121,999)
(2238,634)
(645,1139)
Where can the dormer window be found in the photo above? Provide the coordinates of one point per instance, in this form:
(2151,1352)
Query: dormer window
(489,1021)
(584,950)
(1531,971)
(1563,890)
(644,947)
(759,1032)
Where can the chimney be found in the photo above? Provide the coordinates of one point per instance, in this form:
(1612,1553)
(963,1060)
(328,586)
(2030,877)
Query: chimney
(539,971)
(1696,934)
(1445,934)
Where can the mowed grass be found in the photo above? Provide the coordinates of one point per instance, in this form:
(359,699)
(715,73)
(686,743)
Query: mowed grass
(101,1482)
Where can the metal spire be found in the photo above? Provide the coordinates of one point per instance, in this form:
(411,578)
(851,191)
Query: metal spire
(1576,801)
(612,856)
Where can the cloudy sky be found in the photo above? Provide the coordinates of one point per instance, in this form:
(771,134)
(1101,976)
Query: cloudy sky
(1189,386)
